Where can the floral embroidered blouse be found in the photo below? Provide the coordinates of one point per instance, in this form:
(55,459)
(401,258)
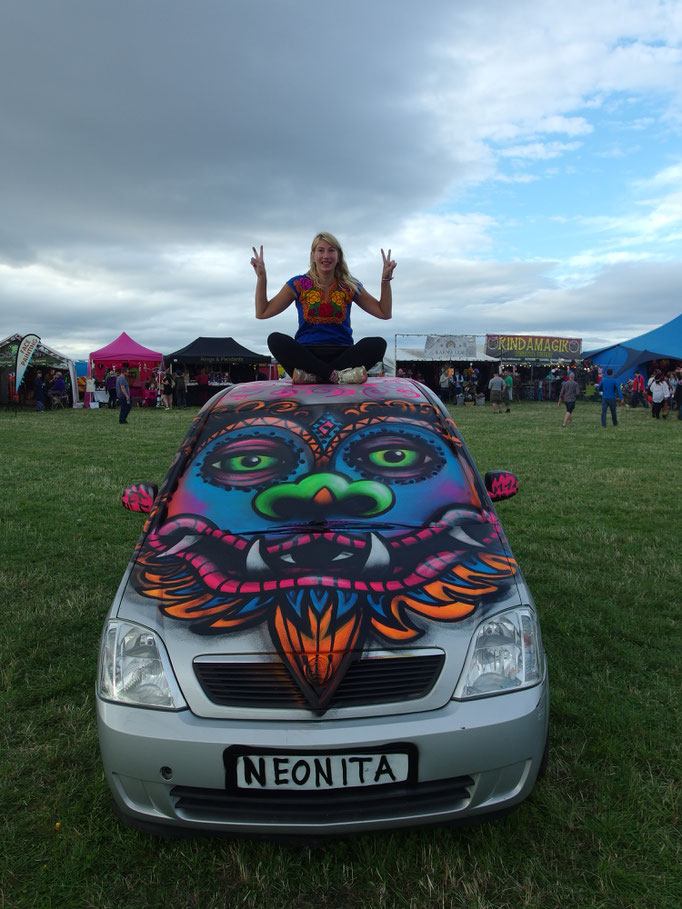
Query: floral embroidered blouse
(323,316)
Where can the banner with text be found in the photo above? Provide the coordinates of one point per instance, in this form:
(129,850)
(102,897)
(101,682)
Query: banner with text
(450,347)
(532,347)
(25,351)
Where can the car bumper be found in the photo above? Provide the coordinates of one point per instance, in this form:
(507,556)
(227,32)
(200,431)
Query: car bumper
(476,757)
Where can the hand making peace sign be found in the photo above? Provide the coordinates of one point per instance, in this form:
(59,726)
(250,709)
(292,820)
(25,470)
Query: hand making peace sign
(389,265)
(258,262)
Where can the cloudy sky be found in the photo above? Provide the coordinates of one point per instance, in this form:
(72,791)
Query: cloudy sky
(523,161)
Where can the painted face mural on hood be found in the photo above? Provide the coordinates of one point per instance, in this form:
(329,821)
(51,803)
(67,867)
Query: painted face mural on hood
(332,524)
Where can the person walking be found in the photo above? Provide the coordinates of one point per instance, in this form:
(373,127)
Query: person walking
(610,395)
(568,393)
(123,395)
(496,387)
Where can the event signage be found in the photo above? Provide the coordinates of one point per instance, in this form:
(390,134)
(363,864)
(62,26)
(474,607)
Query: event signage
(450,347)
(532,347)
(25,351)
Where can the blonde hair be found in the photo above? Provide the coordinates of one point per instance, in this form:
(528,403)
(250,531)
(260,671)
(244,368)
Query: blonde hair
(341,273)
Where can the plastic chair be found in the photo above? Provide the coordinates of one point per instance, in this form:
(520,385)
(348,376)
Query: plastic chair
(59,401)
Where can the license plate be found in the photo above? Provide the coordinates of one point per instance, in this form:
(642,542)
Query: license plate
(308,771)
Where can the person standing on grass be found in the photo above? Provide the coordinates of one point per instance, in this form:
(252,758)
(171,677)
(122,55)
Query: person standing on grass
(660,392)
(677,398)
(496,387)
(444,382)
(123,395)
(508,389)
(180,389)
(638,396)
(568,393)
(610,395)
(39,392)
(110,387)
(167,385)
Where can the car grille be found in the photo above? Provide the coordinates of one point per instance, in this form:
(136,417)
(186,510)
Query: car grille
(379,679)
(341,805)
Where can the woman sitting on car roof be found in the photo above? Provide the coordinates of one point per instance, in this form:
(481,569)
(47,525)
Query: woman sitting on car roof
(323,349)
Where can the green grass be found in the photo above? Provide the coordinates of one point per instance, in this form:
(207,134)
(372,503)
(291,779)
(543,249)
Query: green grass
(596,527)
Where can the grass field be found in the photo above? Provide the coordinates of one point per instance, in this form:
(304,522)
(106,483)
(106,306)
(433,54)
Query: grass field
(596,527)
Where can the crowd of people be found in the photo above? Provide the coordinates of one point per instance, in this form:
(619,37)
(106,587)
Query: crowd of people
(662,394)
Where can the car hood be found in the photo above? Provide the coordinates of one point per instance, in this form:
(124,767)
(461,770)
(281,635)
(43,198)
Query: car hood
(302,607)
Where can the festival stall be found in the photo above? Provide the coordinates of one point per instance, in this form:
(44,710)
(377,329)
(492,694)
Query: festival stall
(44,358)
(660,348)
(462,355)
(142,363)
(210,364)
(538,363)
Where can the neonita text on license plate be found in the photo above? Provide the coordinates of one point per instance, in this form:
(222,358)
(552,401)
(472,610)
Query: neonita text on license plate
(336,771)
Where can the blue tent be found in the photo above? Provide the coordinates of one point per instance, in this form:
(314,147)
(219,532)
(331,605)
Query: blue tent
(662,343)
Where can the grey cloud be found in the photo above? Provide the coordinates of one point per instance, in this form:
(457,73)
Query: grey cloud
(139,138)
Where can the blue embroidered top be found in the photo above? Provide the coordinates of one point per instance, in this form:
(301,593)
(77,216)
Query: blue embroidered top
(323,316)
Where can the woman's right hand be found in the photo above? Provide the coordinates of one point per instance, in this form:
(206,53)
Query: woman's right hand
(258,262)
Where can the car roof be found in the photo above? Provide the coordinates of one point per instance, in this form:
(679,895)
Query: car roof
(374,389)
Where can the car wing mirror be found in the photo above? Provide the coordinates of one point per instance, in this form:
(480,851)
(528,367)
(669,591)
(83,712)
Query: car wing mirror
(501,484)
(139,497)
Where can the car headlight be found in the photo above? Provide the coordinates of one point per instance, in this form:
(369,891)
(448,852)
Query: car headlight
(505,655)
(134,668)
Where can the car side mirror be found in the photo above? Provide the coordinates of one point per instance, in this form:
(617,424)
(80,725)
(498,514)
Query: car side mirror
(139,497)
(501,484)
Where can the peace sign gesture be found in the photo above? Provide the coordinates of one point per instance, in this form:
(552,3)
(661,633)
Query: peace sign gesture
(258,262)
(389,265)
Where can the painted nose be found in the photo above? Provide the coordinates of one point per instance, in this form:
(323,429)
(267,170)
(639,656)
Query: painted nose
(319,497)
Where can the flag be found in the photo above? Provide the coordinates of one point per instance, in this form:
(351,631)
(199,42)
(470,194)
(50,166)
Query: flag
(25,351)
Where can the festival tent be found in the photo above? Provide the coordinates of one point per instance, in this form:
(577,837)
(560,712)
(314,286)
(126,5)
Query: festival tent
(142,361)
(206,351)
(44,357)
(219,354)
(662,343)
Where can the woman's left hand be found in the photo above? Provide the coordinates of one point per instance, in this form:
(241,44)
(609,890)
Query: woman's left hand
(389,265)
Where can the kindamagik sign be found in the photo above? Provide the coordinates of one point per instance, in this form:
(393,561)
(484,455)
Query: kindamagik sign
(532,347)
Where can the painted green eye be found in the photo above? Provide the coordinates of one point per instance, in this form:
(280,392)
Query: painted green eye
(393,457)
(246,463)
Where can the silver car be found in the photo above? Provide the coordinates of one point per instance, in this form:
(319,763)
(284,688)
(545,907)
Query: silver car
(322,629)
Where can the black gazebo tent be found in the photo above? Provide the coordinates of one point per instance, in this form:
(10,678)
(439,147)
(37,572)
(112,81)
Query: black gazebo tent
(219,357)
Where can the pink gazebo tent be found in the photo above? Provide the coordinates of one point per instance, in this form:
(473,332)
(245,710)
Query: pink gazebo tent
(143,362)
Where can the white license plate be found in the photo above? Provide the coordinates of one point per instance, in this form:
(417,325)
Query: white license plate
(321,771)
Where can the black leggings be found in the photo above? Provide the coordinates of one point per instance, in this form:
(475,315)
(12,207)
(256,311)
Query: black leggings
(322,359)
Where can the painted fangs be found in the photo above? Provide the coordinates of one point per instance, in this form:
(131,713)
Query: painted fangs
(458,533)
(254,560)
(379,556)
(184,543)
